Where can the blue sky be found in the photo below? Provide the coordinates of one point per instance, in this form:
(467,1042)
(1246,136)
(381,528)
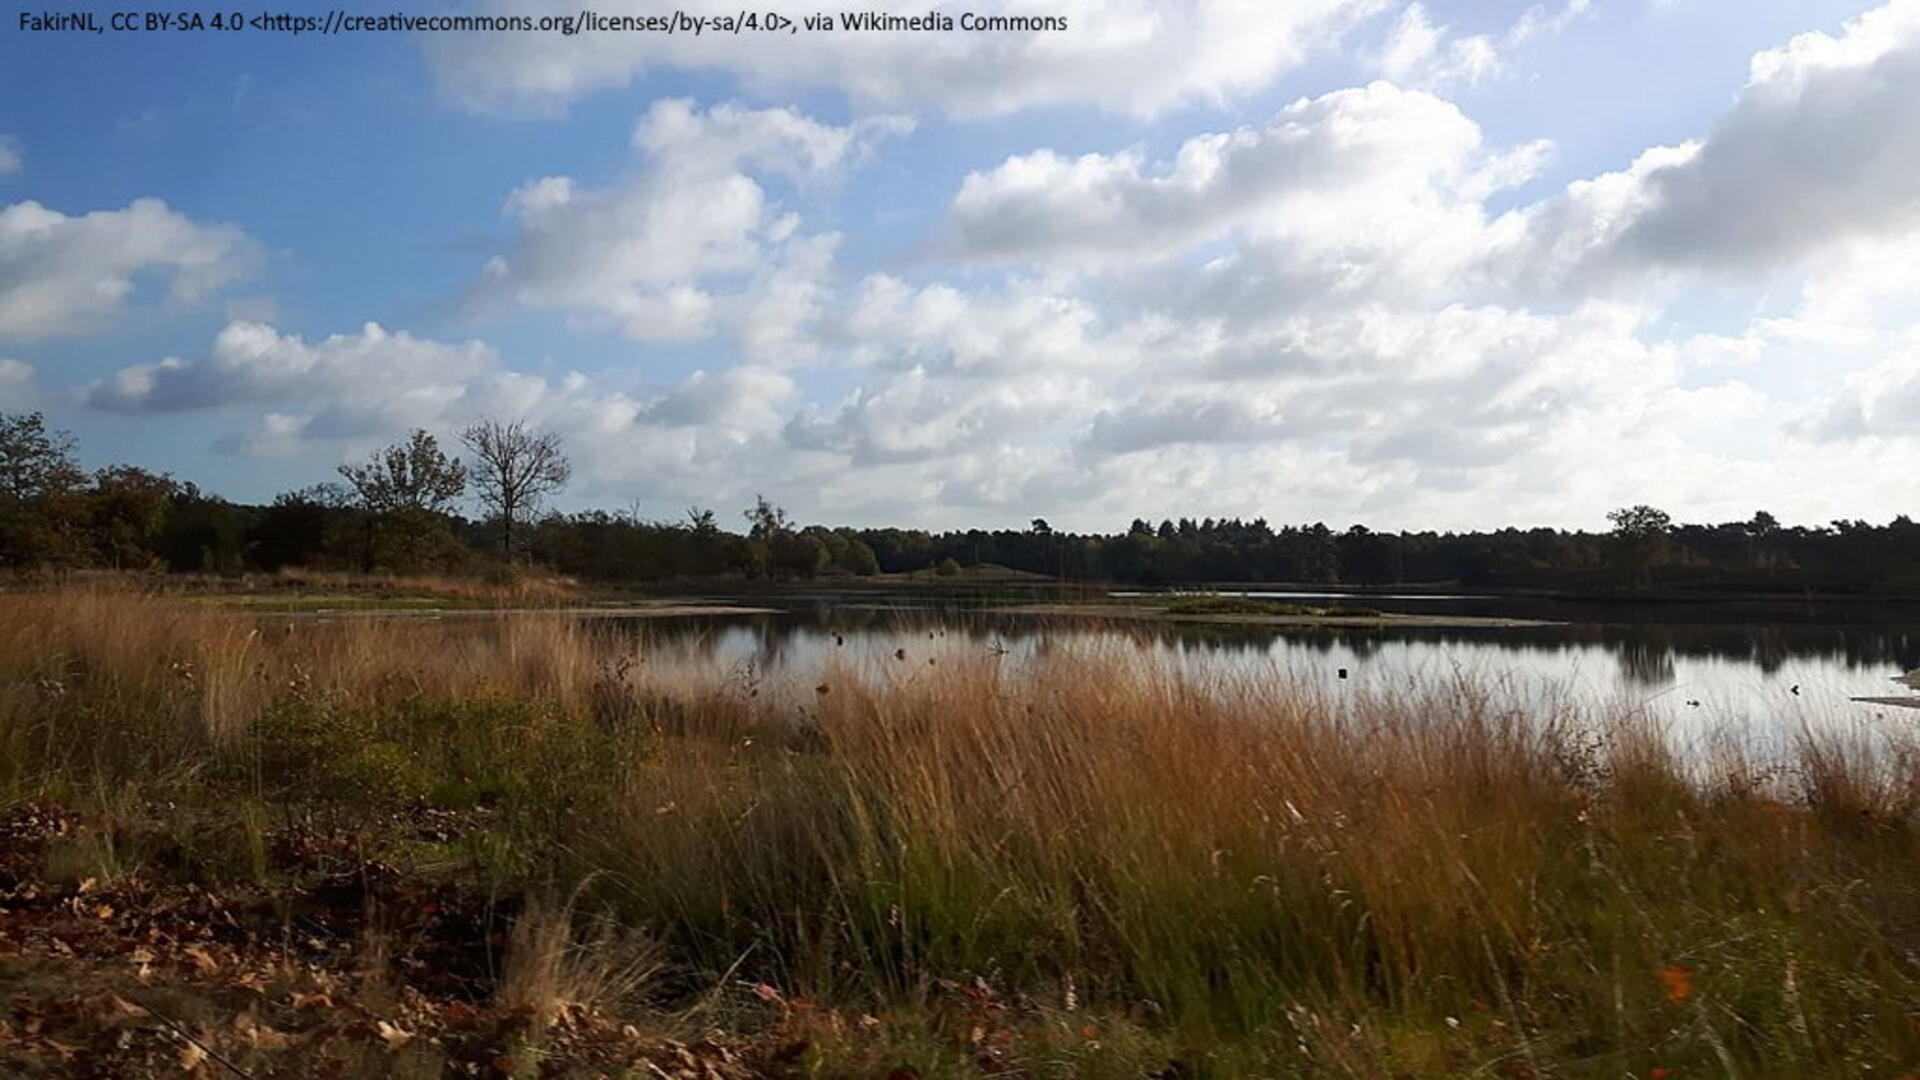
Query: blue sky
(1410,264)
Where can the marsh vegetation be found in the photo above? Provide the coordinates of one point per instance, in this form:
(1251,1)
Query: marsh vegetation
(536,845)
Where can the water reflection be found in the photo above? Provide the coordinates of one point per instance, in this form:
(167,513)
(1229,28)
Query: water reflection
(1645,663)
(1730,668)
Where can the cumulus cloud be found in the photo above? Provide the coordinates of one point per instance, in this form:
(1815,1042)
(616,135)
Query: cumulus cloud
(1361,188)
(1376,165)
(1020,328)
(918,416)
(1818,151)
(62,275)
(1386,187)
(951,375)
(1380,355)
(740,399)
(1459,386)
(1057,403)
(693,239)
(1134,56)
(367,374)
(1821,146)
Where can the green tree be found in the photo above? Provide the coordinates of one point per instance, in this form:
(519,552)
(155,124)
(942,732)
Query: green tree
(1639,541)
(799,554)
(855,557)
(127,512)
(404,493)
(203,532)
(409,475)
(767,526)
(34,462)
(300,528)
(40,512)
(765,521)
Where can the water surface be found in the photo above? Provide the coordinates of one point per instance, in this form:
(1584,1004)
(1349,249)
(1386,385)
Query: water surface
(1763,669)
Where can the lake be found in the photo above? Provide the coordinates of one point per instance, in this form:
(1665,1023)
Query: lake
(1761,669)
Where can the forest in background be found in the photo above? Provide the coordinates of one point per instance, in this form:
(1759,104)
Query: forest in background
(405,510)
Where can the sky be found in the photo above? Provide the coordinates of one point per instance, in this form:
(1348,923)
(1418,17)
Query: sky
(1443,264)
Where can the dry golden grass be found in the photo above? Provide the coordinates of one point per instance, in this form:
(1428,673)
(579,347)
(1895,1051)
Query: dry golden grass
(498,587)
(1428,882)
(557,960)
(520,588)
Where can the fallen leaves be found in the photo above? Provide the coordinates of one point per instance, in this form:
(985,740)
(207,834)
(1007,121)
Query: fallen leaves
(393,1035)
(140,977)
(202,961)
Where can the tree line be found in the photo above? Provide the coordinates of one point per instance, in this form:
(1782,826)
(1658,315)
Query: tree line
(402,510)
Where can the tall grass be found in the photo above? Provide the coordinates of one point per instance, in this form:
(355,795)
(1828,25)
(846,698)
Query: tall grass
(499,586)
(1268,878)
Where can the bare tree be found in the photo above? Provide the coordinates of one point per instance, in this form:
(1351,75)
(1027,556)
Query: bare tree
(513,468)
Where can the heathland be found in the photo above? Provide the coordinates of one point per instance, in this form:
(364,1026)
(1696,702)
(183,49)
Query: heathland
(235,843)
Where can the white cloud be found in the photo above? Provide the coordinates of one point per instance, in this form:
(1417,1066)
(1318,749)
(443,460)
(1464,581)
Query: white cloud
(692,240)
(739,399)
(1355,188)
(1376,175)
(364,379)
(1456,387)
(1819,150)
(12,158)
(1419,53)
(62,275)
(1018,330)
(1133,56)
(1381,188)
(694,144)
(910,417)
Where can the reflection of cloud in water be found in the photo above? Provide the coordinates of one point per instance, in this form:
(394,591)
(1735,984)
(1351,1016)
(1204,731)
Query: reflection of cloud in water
(1738,673)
